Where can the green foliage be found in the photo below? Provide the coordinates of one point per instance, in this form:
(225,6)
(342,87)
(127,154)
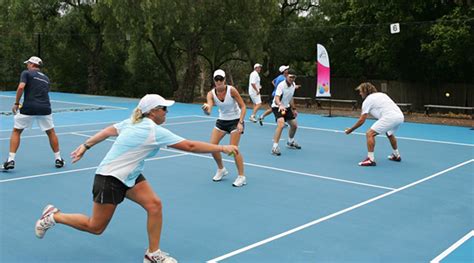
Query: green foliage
(129,47)
(451,44)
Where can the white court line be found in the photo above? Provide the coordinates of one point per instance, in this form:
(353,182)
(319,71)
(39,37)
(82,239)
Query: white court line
(170,124)
(78,103)
(363,134)
(97,123)
(70,125)
(95,130)
(82,169)
(453,247)
(245,163)
(294,172)
(322,219)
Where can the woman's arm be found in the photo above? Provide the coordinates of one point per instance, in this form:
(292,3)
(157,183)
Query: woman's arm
(204,147)
(207,107)
(243,108)
(77,154)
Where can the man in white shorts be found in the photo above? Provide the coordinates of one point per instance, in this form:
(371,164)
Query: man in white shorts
(36,106)
(389,118)
(254,90)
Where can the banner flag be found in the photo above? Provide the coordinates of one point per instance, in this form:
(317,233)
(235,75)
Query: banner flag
(323,88)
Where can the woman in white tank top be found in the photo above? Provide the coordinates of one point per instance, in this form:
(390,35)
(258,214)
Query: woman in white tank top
(231,121)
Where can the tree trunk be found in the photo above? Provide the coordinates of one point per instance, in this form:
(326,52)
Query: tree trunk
(93,78)
(93,69)
(186,92)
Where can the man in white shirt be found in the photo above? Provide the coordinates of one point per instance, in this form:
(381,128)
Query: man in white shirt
(254,90)
(389,118)
(284,109)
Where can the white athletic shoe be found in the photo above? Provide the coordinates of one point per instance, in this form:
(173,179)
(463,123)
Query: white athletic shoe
(293,145)
(240,181)
(252,119)
(158,256)
(46,221)
(219,174)
(276,151)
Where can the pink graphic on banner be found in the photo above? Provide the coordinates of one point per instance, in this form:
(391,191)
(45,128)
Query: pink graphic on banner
(323,87)
(323,79)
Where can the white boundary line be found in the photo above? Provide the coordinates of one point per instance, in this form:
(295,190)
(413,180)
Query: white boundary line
(363,134)
(97,123)
(294,172)
(453,247)
(78,103)
(302,127)
(268,167)
(65,133)
(70,125)
(81,169)
(322,219)
(179,153)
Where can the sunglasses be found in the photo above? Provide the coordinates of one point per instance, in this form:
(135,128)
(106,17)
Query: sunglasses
(162,107)
(219,78)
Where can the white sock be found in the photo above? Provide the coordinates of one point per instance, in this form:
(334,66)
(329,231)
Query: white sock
(57,155)
(220,170)
(396,152)
(291,140)
(371,156)
(275,145)
(11,156)
(154,252)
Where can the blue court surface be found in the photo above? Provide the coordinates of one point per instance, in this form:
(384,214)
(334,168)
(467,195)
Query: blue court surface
(310,205)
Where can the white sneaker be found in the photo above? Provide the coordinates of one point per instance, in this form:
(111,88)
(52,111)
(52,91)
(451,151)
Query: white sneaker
(293,145)
(46,221)
(276,151)
(158,256)
(219,174)
(240,181)
(252,119)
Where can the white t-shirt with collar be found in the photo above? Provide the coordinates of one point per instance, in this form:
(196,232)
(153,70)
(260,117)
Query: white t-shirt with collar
(380,105)
(255,79)
(287,90)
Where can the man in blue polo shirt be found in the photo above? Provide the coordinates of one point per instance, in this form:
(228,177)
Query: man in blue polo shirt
(283,73)
(36,106)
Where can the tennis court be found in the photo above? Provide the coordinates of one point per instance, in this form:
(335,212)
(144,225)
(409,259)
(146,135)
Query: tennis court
(308,205)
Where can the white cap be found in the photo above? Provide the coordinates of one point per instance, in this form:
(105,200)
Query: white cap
(283,68)
(219,72)
(150,101)
(34,60)
(257,66)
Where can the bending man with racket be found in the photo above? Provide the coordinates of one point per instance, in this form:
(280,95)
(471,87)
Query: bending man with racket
(389,118)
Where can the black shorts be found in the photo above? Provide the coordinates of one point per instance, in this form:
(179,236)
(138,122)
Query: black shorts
(110,190)
(228,126)
(288,115)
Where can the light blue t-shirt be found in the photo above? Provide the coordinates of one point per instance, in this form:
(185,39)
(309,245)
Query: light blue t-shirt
(135,142)
(277,81)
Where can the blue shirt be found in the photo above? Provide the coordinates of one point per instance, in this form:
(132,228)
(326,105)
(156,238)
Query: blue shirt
(277,81)
(135,142)
(36,97)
